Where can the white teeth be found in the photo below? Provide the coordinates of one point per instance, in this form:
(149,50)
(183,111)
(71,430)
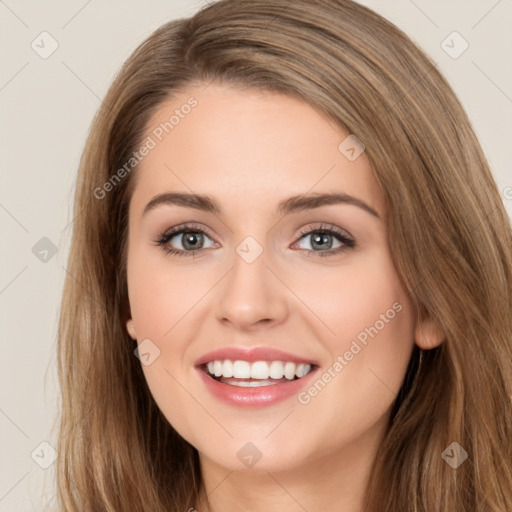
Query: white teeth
(302,370)
(241,370)
(217,368)
(260,370)
(227,368)
(276,370)
(289,370)
(251,383)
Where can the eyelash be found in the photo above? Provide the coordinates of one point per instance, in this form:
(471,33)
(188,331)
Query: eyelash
(343,237)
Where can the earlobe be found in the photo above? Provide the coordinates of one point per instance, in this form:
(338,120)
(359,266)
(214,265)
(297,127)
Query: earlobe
(429,334)
(130,327)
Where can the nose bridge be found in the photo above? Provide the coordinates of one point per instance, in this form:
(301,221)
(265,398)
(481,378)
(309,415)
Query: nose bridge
(251,293)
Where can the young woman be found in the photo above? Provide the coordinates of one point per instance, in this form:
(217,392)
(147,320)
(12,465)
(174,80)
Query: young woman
(292,278)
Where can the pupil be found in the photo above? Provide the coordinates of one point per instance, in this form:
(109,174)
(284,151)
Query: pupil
(323,240)
(191,238)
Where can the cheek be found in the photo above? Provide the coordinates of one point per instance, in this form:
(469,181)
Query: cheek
(361,300)
(165,300)
(160,297)
(159,293)
(367,308)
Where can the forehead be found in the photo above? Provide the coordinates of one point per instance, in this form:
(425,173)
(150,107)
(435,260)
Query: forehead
(249,148)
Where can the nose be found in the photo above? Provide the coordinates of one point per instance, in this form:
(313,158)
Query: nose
(252,296)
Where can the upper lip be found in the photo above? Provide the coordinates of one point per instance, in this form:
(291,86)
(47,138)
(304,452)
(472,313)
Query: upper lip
(251,355)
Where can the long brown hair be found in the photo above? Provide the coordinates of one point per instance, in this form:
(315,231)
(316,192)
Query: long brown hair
(449,235)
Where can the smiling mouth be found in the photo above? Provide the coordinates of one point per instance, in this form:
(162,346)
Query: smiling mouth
(255,374)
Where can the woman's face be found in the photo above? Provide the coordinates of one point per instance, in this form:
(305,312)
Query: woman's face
(284,269)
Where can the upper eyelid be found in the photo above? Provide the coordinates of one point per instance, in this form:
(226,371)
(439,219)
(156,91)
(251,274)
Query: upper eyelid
(179,229)
(325,227)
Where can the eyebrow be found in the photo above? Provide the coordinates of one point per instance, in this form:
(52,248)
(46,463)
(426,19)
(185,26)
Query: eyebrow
(291,205)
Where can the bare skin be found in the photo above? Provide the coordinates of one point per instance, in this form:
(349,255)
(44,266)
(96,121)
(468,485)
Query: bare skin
(250,150)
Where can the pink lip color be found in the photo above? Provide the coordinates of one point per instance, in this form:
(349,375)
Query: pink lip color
(254,397)
(251,355)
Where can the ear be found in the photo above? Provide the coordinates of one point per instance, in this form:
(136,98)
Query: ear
(428,334)
(130,327)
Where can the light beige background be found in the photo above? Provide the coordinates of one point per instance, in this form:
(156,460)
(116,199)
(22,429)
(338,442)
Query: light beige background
(47,106)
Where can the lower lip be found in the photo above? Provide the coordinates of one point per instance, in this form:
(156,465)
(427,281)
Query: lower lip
(254,397)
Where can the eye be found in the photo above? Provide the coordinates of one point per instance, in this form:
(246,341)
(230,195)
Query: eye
(324,237)
(190,239)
